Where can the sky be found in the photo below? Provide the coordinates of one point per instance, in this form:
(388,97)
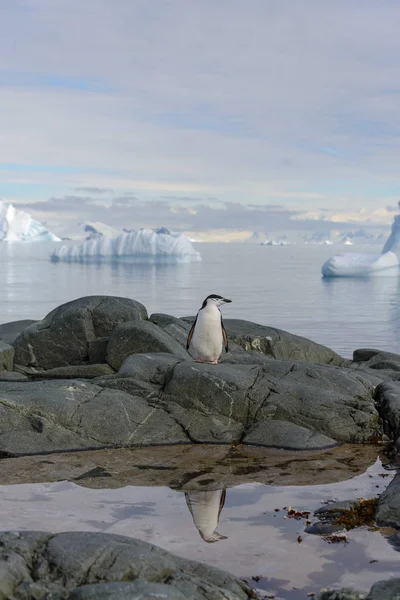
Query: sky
(237,114)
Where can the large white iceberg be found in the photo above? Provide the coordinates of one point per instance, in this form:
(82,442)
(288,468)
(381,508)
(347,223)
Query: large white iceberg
(365,265)
(144,245)
(18,226)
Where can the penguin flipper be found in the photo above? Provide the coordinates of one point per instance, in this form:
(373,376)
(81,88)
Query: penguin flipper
(190,335)
(224,336)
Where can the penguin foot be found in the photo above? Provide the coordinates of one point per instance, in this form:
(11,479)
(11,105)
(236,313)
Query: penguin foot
(200,361)
(213,362)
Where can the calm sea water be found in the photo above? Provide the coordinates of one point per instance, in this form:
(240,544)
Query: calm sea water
(277,286)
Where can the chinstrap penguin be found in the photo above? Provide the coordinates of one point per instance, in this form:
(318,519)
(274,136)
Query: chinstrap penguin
(207,335)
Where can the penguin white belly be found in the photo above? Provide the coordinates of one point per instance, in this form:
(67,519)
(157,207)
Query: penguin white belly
(206,343)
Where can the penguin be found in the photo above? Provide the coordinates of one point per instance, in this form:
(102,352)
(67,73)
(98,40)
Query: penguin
(205,508)
(207,334)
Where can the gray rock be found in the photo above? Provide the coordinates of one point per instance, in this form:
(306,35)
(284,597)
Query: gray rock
(384,360)
(281,434)
(97,350)
(342,594)
(387,396)
(63,337)
(332,510)
(6,357)
(320,528)
(64,561)
(385,590)
(45,416)
(10,331)
(388,511)
(126,590)
(364,354)
(277,343)
(74,372)
(12,376)
(176,328)
(142,337)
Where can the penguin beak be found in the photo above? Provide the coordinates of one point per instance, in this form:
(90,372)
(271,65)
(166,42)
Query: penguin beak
(225,300)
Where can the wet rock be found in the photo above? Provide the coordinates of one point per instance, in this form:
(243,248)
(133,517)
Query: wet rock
(12,376)
(10,331)
(332,510)
(281,434)
(320,528)
(127,590)
(6,357)
(63,337)
(66,561)
(277,343)
(132,338)
(74,372)
(388,511)
(44,416)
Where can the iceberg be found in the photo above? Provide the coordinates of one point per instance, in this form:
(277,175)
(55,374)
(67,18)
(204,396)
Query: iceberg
(18,226)
(144,246)
(365,265)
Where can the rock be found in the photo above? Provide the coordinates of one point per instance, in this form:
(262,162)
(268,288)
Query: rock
(127,590)
(384,360)
(10,331)
(319,528)
(97,350)
(142,337)
(387,396)
(388,511)
(12,376)
(281,434)
(385,590)
(43,416)
(74,372)
(63,337)
(65,561)
(277,343)
(343,594)
(6,357)
(332,510)
(364,354)
(176,328)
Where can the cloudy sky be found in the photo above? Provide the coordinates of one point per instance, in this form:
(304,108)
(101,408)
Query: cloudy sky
(198,114)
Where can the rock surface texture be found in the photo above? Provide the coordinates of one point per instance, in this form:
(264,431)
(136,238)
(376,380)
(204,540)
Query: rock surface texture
(97,372)
(83,566)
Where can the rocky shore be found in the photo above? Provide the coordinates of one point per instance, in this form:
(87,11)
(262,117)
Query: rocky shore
(99,372)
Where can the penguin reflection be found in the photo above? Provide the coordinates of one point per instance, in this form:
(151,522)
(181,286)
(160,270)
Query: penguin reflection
(205,508)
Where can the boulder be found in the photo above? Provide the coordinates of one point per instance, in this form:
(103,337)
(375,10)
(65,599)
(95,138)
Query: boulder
(127,590)
(176,328)
(140,337)
(10,331)
(382,590)
(388,512)
(277,343)
(67,561)
(74,372)
(388,400)
(63,337)
(6,357)
(46,416)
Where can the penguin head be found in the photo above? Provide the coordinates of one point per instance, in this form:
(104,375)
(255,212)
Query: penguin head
(215,299)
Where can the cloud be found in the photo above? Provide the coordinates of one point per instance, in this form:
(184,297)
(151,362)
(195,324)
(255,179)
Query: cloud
(134,213)
(247,103)
(94,190)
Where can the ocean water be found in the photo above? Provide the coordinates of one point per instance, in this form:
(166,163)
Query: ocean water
(279,286)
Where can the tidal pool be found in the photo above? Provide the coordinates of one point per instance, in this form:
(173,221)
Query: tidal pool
(219,505)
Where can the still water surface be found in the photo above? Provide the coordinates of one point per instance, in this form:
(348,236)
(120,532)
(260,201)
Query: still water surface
(277,286)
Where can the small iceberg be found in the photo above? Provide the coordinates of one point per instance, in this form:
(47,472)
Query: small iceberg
(18,226)
(365,265)
(142,246)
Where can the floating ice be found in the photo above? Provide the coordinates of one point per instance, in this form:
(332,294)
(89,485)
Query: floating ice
(18,226)
(144,245)
(365,265)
